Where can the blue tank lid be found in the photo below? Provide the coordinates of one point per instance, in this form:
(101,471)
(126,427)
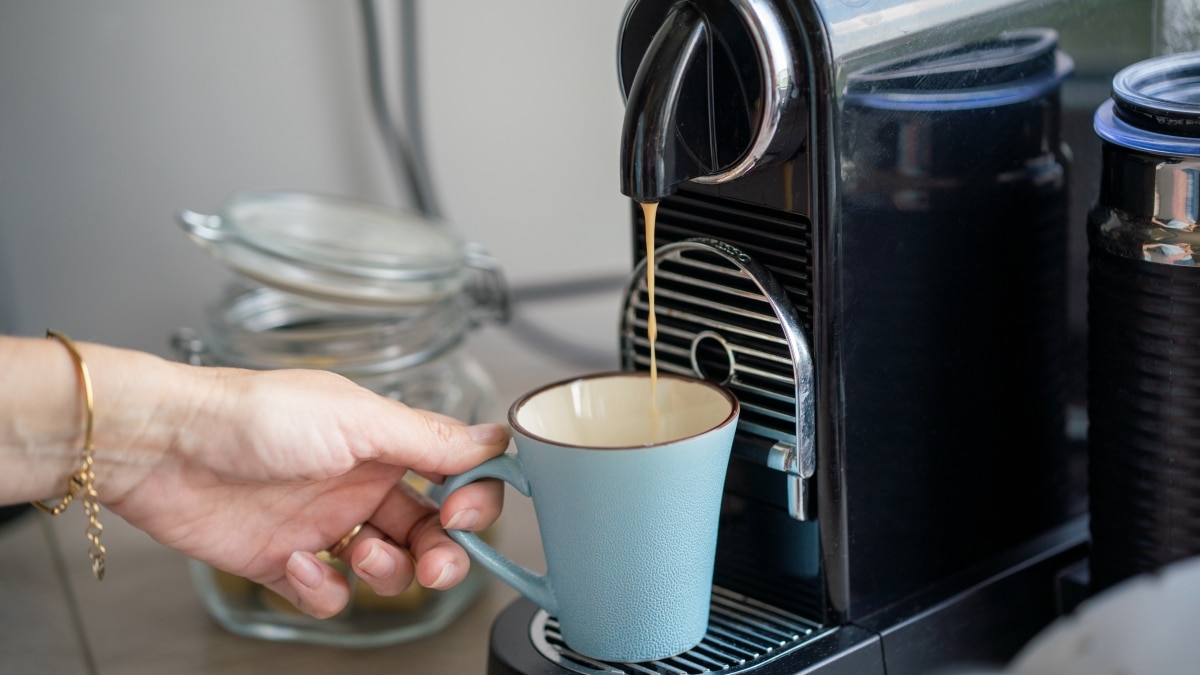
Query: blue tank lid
(1014,67)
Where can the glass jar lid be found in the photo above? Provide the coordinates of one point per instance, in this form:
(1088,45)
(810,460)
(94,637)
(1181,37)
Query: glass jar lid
(333,248)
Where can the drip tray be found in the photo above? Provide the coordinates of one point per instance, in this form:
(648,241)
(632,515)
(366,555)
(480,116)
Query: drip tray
(742,634)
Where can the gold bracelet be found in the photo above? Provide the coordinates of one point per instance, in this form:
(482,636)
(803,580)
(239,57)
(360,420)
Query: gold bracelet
(84,480)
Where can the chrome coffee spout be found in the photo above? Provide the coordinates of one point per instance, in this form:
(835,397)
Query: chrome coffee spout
(706,92)
(652,163)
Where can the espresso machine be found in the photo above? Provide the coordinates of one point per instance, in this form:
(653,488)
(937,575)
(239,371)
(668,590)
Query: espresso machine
(870,229)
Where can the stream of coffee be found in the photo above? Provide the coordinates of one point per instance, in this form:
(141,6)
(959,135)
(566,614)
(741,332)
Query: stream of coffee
(650,211)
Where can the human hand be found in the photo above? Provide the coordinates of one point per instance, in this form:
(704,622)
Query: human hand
(264,469)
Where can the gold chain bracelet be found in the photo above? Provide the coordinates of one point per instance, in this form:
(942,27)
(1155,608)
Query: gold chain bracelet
(83,481)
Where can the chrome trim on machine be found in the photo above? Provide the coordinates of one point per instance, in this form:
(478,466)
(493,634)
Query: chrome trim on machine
(689,273)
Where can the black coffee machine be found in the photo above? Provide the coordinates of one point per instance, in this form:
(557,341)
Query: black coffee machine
(871,229)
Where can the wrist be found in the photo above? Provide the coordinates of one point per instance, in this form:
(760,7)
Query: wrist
(146,409)
(41,425)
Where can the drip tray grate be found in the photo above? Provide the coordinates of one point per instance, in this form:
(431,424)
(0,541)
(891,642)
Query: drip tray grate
(742,633)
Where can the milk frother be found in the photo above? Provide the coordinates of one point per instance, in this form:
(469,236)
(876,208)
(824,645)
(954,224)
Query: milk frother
(1144,322)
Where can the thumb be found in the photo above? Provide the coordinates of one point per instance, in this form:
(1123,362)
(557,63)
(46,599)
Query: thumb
(431,443)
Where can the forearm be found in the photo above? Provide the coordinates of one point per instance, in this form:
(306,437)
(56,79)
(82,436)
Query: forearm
(140,408)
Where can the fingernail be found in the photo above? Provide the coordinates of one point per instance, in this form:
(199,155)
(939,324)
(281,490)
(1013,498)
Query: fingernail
(463,520)
(487,434)
(306,570)
(443,580)
(377,564)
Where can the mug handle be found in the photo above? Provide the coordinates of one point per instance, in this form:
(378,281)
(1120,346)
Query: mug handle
(532,585)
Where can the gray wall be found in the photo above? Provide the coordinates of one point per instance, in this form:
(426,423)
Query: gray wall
(114,115)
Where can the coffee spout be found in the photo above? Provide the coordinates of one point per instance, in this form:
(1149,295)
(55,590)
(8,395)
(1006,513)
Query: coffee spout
(653,161)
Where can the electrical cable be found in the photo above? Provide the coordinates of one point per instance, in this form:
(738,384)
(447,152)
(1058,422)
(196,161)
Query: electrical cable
(409,163)
(554,290)
(564,349)
(406,163)
(549,343)
(410,99)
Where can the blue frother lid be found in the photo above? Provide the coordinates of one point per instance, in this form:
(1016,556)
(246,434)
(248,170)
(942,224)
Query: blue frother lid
(1155,106)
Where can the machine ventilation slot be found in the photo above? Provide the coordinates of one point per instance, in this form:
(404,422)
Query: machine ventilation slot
(781,242)
(716,321)
(742,634)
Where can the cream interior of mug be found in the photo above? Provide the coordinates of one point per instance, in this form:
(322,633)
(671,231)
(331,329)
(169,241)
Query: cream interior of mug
(615,411)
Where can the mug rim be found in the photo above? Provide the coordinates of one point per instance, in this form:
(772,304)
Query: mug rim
(734,407)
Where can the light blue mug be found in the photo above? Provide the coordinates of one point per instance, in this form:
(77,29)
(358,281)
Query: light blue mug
(627,509)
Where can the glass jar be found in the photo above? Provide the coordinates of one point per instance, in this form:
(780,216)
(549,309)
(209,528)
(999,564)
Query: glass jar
(380,296)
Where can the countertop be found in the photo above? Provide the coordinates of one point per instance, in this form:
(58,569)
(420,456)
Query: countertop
(146,616)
